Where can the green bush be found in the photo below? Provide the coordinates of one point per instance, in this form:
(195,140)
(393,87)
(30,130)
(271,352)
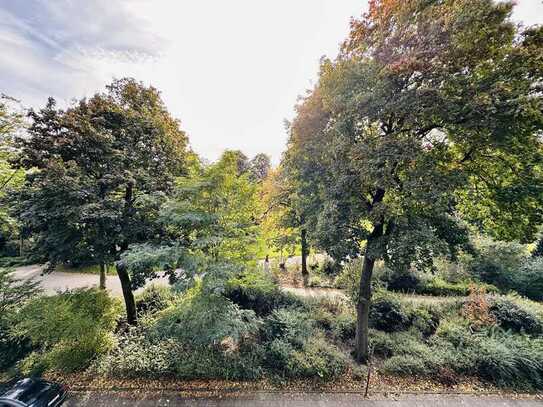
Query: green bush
(201,319)
(13,296)
(257,291)
(425,320)
(387,314)
(137,357)
(389,344)
(291,325)
(528,280)
(69,329)
(154,298)
(327,267)
(344,326)
(317,359)
(510,361)
(498,262)
(511,316)
(277,355)
(403,281)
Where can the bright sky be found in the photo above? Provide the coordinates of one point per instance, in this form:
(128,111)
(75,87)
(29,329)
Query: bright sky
(231,70)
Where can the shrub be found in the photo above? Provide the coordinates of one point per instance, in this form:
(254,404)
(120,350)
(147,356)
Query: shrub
(497,262)
(13,295)
(344,326)
(387,345)
(387,314)
(405,365)
(327,267)
(404,281)
(349,277)
(510,361)
(137,357)
(70,328)
(528,280)
(154,298)
(291,325)
(278,353)
(425,320)
(511,316)
(317,359)
(257,291)
(201,319)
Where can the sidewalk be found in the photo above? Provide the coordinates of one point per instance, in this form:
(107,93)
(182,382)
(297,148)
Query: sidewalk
(258,399)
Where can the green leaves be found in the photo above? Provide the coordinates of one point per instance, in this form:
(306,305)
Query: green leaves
(431,104)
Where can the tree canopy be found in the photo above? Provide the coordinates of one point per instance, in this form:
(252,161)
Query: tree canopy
(434,118)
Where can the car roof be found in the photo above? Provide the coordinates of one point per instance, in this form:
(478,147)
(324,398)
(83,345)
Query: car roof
(27,391)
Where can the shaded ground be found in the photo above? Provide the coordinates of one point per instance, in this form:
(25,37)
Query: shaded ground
(260,399)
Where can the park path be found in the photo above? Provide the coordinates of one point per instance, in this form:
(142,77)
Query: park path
(59,280)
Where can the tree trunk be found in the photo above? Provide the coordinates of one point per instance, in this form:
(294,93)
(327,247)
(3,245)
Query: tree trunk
(130,303)
(103,272)
(305,273)
(364,294)
(363,311)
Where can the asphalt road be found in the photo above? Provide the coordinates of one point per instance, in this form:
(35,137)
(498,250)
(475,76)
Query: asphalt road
(59,281)
(292,400)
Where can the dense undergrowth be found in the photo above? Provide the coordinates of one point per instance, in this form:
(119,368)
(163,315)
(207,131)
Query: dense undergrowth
(252,329)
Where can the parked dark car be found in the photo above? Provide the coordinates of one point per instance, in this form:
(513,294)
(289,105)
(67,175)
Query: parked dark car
(32,393)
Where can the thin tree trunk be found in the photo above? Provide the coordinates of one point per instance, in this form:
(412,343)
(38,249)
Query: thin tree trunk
(103,272)
(363,311)
(130,303)
(305,273)
(364,294)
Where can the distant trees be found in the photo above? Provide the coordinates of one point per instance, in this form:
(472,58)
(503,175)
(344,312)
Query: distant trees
(430,115)
(216,210)
(102,169)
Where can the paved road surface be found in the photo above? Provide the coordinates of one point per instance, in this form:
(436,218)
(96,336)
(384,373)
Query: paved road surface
(292,400)
(58,280)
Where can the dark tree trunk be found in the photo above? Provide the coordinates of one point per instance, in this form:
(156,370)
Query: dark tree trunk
(130,303)
(364,295)
(103,272)
(363,311)
(373,251)
(305,273)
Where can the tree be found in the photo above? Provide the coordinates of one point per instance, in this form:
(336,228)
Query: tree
(302,175)
(11,122)
(102,169)
(210,228)
(259,167)
(217,211)
(435,113)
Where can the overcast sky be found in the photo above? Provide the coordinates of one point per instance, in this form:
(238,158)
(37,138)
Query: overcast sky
(231,70)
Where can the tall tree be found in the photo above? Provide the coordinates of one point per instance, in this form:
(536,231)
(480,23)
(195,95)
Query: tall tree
(11,122)
(259,167)
(435,113)
(102,170)
(302,175)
